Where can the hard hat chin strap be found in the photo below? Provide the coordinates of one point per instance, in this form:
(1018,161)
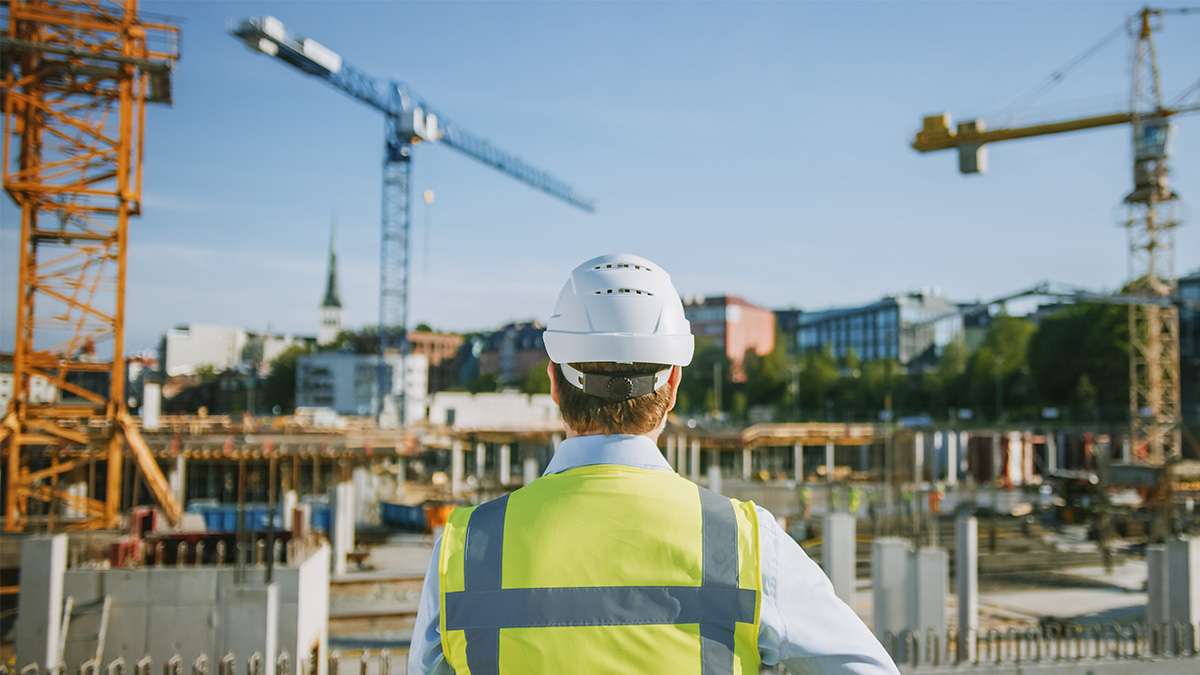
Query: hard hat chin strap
(615,387)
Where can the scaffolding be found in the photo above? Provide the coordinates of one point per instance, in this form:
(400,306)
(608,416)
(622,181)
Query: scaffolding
(76,77)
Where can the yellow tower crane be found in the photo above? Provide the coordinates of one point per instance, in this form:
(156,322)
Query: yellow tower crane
(1154,397)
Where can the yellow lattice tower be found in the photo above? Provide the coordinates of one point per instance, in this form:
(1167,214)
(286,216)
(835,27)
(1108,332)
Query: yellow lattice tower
(77,75)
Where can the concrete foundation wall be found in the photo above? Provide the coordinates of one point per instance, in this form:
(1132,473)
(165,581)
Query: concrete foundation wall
(39,606)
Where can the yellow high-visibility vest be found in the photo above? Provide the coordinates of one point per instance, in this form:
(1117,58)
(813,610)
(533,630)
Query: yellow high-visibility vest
(602,569)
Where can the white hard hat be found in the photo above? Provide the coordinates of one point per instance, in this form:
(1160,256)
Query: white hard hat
(619,308)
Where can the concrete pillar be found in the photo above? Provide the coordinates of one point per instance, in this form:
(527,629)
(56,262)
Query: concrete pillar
(694,461)
(829,460)
(997,458)
(938,452)
(919,457)
(1126,455)
(79,490)
(505,464)
(555,440)
(681,454)
(1158,592)
(671,450)
(529,466)
(1183,580)
(964,455)
(1051,452)
(456,468)
(966,582)
(341,524)
(40,602)
(951,457)
(714,477)
(364,499)
(890,560)
(864,457)
(177,478)
(1016,458)
(838,554)
(151,404)
(798,462)
(931,576)
(287,504)
(747,464)
(480,460)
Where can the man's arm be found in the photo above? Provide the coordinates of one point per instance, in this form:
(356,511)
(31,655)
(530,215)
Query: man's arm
(804,625)
(425,649)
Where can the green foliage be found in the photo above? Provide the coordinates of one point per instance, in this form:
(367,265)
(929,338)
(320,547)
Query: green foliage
(279,388)
(536,380)
(1079,359)
(484,383)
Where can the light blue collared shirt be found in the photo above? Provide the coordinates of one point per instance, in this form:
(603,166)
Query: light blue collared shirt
(803,624)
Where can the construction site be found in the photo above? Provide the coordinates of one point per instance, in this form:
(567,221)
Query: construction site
(178,518)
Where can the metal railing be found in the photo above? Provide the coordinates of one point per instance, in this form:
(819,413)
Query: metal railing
(1046,643)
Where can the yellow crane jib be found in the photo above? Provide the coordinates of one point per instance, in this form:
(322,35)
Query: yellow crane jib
(970,136)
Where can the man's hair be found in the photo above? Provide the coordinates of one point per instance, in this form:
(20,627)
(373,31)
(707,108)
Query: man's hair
(587,414)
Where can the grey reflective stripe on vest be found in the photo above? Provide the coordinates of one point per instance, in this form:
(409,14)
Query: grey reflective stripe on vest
(720,544)
(483,608)
(482,566)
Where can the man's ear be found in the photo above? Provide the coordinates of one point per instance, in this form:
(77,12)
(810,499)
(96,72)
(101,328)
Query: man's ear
(673,382)
(550,368)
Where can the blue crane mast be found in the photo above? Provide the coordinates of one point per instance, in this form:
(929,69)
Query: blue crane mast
(407,120)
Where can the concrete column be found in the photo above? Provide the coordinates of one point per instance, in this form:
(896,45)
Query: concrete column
(681,455)
(78,490)
(829,460)
(342,525)
(951,457)
(931,575)
(1158,592)
(938,451)
(365,505)
(714,477)
(178,479)
(480,460)
(1183,580)
(505,464)
(964,454)
(40,602)
(1016,458)
(838,554)
(890,560)
(1051,452)
(919,457)
(287,504)
(798,462)
(1126,455)
(966,582)
(151,404)
(456,468)
(671,450)
(864,457)
(747,464)
(997,457)
(555,439)
(529,466)
(694,461)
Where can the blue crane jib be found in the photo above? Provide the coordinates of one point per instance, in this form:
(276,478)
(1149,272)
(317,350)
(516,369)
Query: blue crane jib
(413,119)
(407,120)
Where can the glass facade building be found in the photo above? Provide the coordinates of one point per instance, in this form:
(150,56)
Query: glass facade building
(911,328)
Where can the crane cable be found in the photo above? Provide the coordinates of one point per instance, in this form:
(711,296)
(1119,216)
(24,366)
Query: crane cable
(1059,74)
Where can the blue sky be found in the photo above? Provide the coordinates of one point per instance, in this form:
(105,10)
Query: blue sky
(755,149)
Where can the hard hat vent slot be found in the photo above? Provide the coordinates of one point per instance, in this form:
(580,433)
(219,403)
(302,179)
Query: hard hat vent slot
(623,266)
(622,291)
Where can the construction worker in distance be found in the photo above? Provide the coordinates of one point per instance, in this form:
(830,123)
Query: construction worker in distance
(611,562)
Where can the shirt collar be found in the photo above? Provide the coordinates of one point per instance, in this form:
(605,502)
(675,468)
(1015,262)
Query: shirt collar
(625,449)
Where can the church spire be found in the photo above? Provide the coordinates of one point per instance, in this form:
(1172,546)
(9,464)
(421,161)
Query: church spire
(332,297)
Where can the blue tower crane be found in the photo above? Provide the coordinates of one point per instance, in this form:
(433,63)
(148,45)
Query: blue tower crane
(407,120)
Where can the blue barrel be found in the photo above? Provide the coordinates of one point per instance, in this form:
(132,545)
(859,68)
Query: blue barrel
(321,516)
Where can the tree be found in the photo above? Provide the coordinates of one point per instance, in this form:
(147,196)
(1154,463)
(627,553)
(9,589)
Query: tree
(484,383)
(536,380)
(818,376)
(279,388)
(998,372)
(1078,342)
(697,390)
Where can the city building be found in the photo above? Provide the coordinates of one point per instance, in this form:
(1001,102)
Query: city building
(346,382)
(441,352)
(787,322)
(190,347)
(331,303)
(509,353)
(734,324)
(1189,346)
(41,390)
(911,328)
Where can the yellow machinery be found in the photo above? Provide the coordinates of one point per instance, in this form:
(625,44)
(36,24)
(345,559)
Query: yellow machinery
(1154,397)
(76,77)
